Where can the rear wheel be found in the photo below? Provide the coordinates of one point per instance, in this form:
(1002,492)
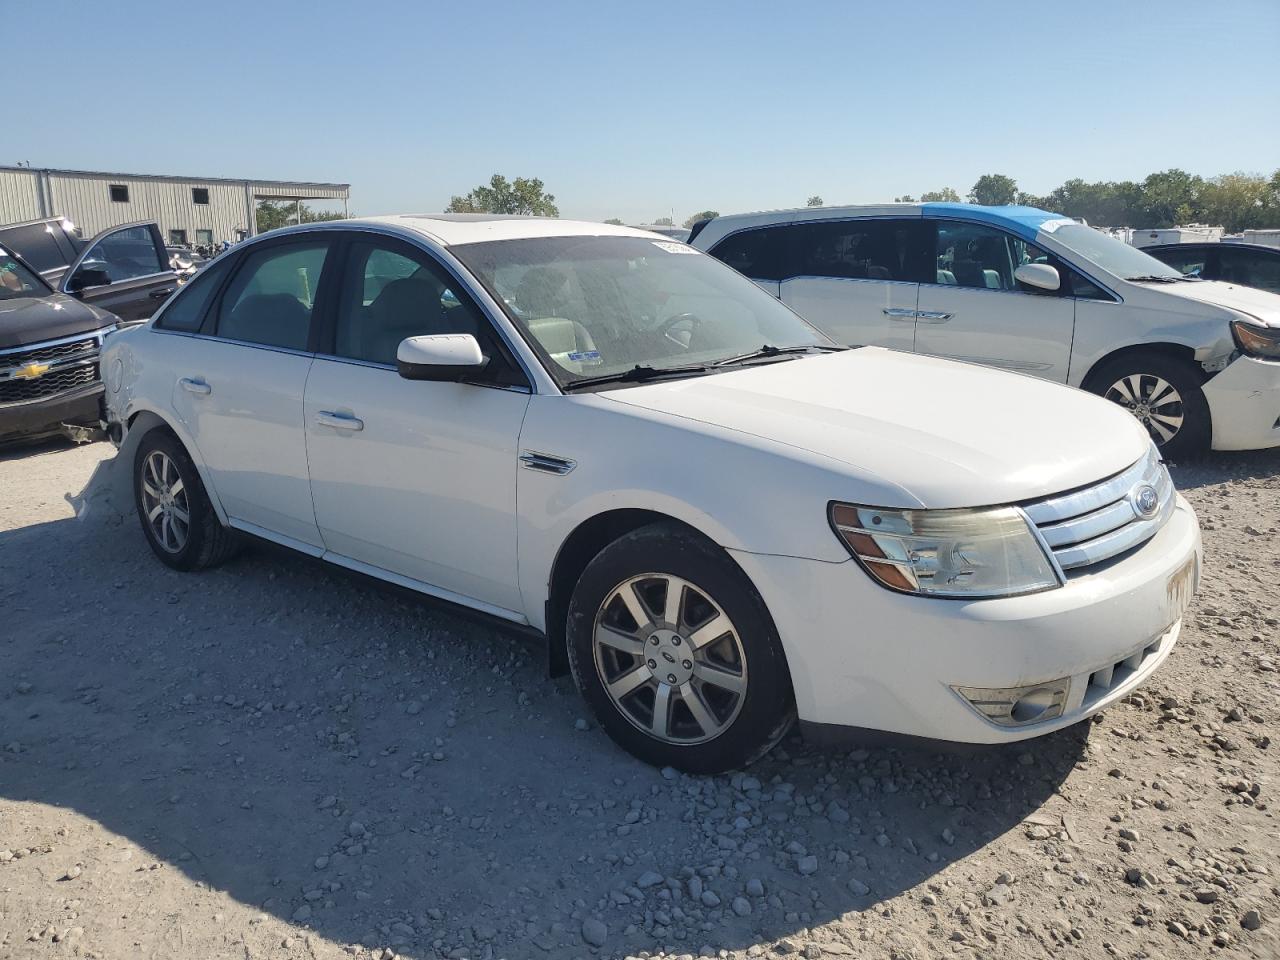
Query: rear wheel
(676,654)
(177,518)
(1164,394)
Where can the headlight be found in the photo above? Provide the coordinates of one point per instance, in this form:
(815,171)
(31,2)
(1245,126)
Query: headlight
(1256,341)
(985,552)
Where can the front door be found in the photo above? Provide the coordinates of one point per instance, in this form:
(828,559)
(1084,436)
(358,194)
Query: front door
(975,310)
(239,388)
(414,477)
(125,271)
(857,280)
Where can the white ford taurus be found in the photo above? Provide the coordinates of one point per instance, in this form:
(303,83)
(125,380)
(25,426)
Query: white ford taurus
(719,519)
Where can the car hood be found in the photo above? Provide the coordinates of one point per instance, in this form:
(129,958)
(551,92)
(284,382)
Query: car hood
(1260,304)
(34,319)
(948,434)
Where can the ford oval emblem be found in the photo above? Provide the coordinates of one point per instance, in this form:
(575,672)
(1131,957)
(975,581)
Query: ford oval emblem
(1145,501)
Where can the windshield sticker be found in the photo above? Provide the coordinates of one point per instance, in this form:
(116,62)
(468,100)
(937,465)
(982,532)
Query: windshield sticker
(1051,225)
(585,356)
(672,247)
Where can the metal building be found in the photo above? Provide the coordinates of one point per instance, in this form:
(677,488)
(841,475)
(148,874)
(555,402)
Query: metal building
(190,210)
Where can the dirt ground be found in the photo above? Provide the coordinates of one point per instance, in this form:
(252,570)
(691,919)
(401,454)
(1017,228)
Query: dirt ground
(278,760)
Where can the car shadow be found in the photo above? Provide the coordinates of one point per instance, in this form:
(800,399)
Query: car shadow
(23,449)
(1226,467)
(389,774)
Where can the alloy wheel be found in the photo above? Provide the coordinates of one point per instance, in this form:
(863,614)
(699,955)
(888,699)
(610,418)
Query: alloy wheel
(670,658)
(164,501)
(1153,400)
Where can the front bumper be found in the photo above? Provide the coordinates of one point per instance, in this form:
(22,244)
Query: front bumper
(1244,404)
(44,417)
(861,656)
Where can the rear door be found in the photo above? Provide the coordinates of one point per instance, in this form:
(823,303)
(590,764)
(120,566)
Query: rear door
(124,270)
(858,280)
(972,308)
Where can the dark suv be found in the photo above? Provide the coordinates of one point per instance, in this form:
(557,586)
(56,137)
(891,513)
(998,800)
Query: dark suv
(59,297)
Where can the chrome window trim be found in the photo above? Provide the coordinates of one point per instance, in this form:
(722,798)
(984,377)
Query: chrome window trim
(239,343)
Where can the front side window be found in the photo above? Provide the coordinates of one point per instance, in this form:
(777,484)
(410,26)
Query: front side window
(124,255)
(270,299)
(596,306)
(758,254)
(982,257)
(16,281)
(859,249)
(185,313)
(391,293)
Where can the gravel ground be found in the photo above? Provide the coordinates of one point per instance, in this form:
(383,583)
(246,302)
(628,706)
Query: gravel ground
(276,759)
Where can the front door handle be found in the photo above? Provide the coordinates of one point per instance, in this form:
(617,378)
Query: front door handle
(195,386)
(933,316)
(899,313)
(161,293)
(339,421)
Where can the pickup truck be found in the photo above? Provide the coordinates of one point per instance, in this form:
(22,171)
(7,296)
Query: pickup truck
(59,297)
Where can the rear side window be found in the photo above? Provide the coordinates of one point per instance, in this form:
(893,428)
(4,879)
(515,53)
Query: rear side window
(758,254)
(270,299)
(1250,268)
(186,311)
(860,249)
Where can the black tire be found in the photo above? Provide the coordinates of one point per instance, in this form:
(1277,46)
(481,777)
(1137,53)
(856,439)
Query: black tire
(764,712)
(207,542)
(1111,380)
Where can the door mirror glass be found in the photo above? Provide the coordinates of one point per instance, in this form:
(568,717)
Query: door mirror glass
(1038,275)
(87,277)
(446,356)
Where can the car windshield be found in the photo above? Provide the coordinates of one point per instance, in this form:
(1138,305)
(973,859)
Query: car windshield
(17,281)
(1112,255)
(597,306)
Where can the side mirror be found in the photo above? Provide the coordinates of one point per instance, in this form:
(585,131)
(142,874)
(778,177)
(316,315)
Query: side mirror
(446,357)
(1038,275)
(87,277)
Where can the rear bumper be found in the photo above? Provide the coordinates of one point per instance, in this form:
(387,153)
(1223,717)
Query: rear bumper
(38,418)
(861,656)
(1244,403)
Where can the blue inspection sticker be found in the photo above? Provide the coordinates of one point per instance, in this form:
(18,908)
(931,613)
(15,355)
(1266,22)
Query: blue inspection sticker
(585,356)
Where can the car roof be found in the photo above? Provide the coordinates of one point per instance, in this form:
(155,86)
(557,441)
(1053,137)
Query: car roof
(449,229)
(1022,221)
(1215,245)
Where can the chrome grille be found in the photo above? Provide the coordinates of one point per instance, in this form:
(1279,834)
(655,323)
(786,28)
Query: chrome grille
(72,364)
(54,352)
(1094,524)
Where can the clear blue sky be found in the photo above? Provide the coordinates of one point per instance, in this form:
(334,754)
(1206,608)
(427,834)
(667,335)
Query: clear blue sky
(636,110)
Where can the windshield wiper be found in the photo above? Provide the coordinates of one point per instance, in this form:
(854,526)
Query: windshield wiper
(771,351)
(637,374)
(1153,278)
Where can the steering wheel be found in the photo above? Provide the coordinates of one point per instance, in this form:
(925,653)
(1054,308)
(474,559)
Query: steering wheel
(665,328)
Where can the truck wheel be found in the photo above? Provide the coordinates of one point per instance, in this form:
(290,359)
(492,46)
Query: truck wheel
(676,654)
(177,518)
(1164,394)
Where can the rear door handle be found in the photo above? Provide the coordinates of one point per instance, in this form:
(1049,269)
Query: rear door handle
(161,293)
(899,313)
(195,386)
(339,421)
(933,316)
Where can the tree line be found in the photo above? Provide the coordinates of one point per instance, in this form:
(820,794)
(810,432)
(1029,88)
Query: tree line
(1236,201)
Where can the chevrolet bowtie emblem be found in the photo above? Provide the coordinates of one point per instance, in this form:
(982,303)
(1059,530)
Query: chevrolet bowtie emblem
(31,371)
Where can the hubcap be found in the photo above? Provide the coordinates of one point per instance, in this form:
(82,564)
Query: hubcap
(164,500)
(1153,400)
(670,659)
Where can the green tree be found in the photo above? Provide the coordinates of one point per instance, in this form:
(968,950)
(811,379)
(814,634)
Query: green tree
(994,190)
(271,214)
(524,196)
(703,215)
(945,195)
(1169,198)
(1238,201)
(814,201)
(615,221)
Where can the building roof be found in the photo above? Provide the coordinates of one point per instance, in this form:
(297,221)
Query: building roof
(290,189)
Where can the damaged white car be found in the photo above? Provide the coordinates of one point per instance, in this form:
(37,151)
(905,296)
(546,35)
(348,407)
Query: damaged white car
(719,520)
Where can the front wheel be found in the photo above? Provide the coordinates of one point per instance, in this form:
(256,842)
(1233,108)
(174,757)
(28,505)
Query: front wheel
(1164,394)
(676,654)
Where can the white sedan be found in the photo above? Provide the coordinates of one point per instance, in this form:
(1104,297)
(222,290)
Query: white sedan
(719,519)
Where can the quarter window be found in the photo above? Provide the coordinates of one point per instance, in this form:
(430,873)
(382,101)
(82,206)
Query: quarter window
(1249,268)
(390,294)
(187,310)
(860,250)
(270,299)
(758,254)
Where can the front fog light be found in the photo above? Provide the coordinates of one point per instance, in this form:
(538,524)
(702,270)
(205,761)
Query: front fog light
(964,554)
(1018,706)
